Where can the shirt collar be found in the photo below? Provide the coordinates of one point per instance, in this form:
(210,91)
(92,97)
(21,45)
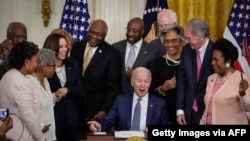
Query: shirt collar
(135,97)
(137,44)
(203,47)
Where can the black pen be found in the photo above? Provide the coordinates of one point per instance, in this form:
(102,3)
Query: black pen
(241,76)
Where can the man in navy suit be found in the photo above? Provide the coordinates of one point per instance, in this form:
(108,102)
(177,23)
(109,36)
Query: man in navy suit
(190,86)
(101,78)
(153,108)
(144,53)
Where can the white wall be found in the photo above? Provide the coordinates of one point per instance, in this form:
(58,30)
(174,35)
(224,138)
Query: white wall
(115,12)
(29,12)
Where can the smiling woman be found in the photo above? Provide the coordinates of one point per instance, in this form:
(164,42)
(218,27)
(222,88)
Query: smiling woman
(226,88)
(65,84)
(41,86)
(165,68)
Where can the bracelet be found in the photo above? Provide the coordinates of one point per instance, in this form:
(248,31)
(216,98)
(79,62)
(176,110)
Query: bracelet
(160,92)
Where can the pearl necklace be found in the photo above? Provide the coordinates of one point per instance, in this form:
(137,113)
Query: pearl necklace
(176,63)
(221,80)
(44,91)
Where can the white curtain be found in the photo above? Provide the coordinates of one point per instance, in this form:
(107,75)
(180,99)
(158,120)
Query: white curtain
(116,13)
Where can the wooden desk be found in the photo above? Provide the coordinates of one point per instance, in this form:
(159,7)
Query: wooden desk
(84,136)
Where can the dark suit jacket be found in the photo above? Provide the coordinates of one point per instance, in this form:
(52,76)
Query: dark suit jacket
(188,88)
(157,44)
(121,112)
(66,112)
(3,69)
(145,58)
(102,78)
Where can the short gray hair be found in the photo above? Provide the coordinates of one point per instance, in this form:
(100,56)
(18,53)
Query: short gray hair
(141,69)
(46,57)
(199,27)
(173,27)
(168,13)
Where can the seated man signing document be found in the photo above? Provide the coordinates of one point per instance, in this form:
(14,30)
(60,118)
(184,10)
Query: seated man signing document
(135,110)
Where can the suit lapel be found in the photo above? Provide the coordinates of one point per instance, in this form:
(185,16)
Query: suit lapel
(123,53)
(81,52)
(129,110)
(141,55)
(96,57)
(56,80)
(206,59)
(150,109)
(193,64)
(68,71)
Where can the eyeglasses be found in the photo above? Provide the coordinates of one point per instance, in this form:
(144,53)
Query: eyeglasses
(172,41)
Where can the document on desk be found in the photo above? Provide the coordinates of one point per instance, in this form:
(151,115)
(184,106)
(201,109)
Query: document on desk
(128,134)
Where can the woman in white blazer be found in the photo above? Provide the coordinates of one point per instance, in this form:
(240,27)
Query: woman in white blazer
(45,69)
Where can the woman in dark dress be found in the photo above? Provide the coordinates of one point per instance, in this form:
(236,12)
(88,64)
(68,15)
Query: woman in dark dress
(67,87)
(165,68)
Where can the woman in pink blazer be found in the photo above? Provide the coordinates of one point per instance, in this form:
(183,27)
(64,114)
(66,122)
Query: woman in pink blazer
(17,94)
(227,95)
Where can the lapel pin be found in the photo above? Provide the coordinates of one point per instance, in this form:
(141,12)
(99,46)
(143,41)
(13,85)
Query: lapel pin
(151,105)
(145,52)
(100,51)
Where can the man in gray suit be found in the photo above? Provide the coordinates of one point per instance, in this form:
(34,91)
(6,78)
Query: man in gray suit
(143,53)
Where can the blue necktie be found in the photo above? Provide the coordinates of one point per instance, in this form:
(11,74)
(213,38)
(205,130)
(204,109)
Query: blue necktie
(137,116)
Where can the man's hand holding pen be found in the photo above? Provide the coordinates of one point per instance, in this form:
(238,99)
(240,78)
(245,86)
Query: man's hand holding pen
(99,116)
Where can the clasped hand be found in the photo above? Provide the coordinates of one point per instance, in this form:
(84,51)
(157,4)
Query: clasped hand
(60,93)
(169,84)
(243,87)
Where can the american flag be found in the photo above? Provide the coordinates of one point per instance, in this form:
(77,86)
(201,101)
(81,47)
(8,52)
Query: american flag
(153,7)
(76,19)
(238,32)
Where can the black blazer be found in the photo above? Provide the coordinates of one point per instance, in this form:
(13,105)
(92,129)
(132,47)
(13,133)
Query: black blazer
(102,78)
(188,88)
(145,58)
(66,112)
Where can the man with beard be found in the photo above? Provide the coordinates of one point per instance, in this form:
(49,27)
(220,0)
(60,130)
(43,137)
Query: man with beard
(142,53)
